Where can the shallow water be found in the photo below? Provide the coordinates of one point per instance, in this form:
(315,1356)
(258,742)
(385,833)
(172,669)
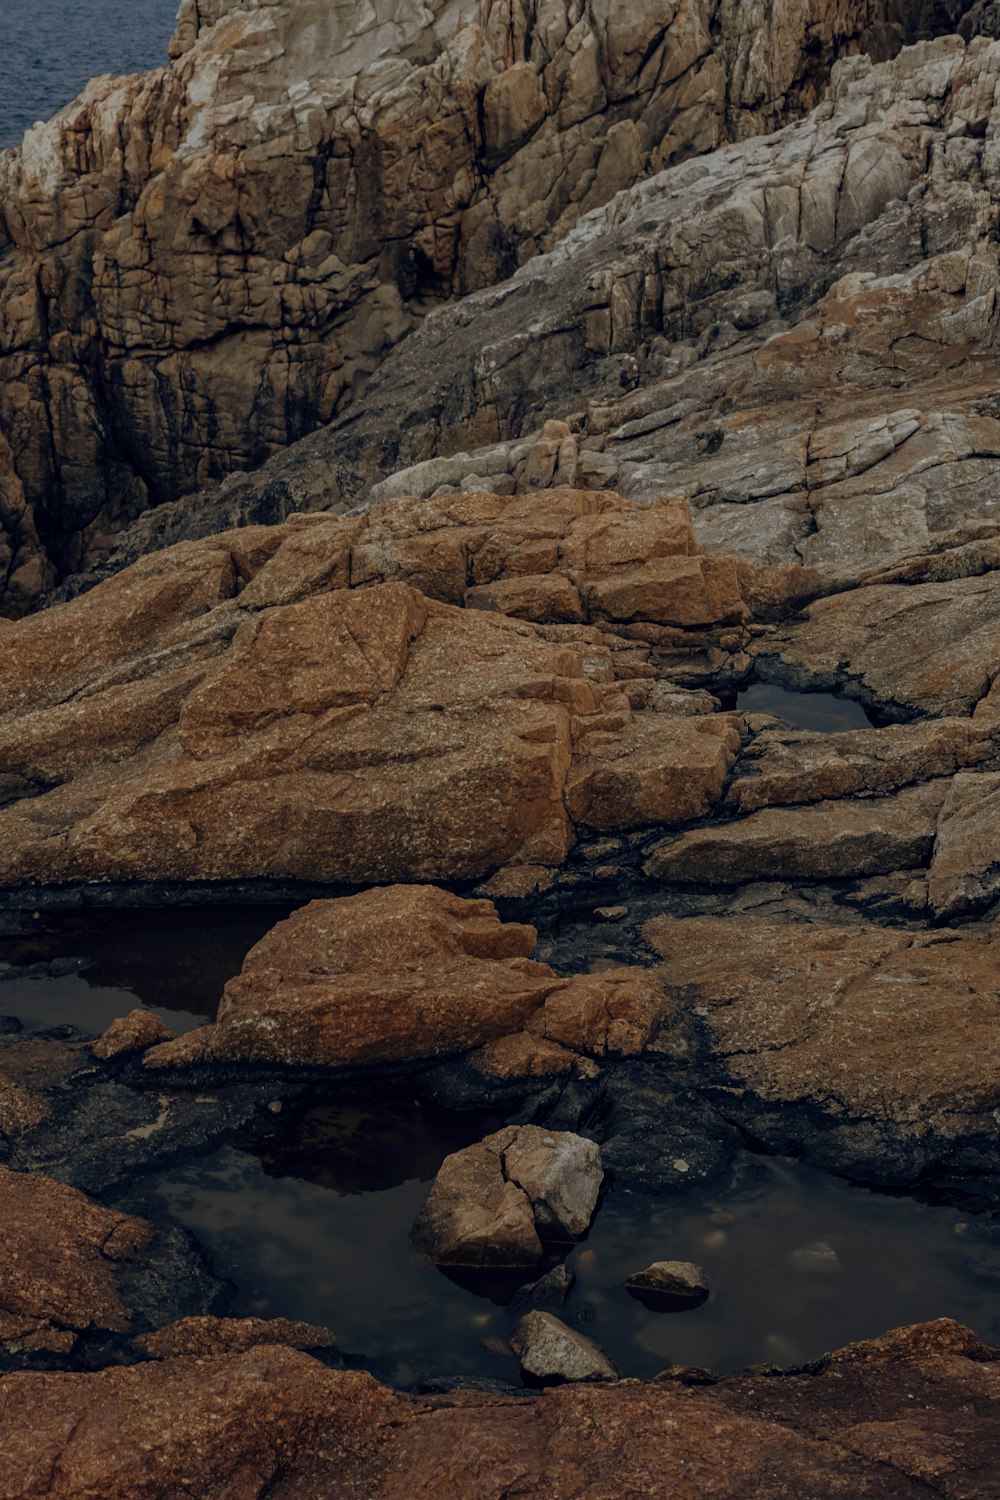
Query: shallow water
(51,48)
(174,962)
(826,712)
(317,1227)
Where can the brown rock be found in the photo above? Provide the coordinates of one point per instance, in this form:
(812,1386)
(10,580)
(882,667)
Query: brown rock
(876,1422)
(392,975)
(204,1337)
(828,841)
(226,727)
(58,1254)
(491,1203)
(132,1033)
(874,1026)
(20,1109)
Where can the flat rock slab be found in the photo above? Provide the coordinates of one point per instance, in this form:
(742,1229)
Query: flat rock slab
(885,1035)
(830,840)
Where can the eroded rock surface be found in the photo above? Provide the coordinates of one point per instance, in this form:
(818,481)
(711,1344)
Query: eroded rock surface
(879,1420)
(188,284)
(280,702)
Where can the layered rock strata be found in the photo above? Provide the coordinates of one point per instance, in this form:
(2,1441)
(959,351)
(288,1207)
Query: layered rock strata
(201,264)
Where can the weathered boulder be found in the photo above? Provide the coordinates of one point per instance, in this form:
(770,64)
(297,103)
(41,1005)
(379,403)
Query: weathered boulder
(400,974)
(550,1351)
(493,1203)
(392,975)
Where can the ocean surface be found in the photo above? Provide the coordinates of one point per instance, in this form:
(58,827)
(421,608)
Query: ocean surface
(50,48)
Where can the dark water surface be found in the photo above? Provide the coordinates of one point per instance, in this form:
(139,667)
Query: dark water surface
(172,961)
(317,1227)
(50,48)
(826,712)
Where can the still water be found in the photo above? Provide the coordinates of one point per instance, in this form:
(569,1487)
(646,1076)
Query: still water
(316,1226)
(51,48)
(314,1222)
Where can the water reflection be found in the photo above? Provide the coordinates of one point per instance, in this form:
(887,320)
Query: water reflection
(174,961)
(799,1262)
(823,712)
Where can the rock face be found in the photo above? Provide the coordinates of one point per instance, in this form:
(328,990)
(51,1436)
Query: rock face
(243,711)
(878,1421)
(493,1203)
(71,1270)
(187,284)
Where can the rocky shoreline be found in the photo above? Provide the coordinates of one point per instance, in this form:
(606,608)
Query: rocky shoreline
(588,668)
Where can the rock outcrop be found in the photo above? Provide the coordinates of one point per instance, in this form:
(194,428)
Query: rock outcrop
(201,264)
(877,1421)
(272,702)
(73,1272)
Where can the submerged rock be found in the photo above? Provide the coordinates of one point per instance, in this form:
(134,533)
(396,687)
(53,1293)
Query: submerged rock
(494,1203)
(549,1351)
(670,1284)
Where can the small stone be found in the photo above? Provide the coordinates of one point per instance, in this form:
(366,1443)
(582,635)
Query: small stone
(549,1351)
(670,1285)
(136,1032)
(611,913)
(680,1165)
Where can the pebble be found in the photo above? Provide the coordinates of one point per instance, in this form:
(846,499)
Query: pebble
(611,913)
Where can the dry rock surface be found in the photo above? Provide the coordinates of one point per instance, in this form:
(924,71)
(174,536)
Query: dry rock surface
(879,1421)
(188,284)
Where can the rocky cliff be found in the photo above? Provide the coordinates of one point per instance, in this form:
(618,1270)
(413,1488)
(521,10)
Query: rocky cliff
(201,265)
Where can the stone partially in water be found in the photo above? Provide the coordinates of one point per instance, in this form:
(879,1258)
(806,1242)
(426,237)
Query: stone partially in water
(211,1336)
(70,1268)
(670,1285)
(493,1203)
(136,1032)
(549,1351)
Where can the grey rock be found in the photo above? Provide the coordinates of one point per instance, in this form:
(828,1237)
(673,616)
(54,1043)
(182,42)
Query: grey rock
(549,1351)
